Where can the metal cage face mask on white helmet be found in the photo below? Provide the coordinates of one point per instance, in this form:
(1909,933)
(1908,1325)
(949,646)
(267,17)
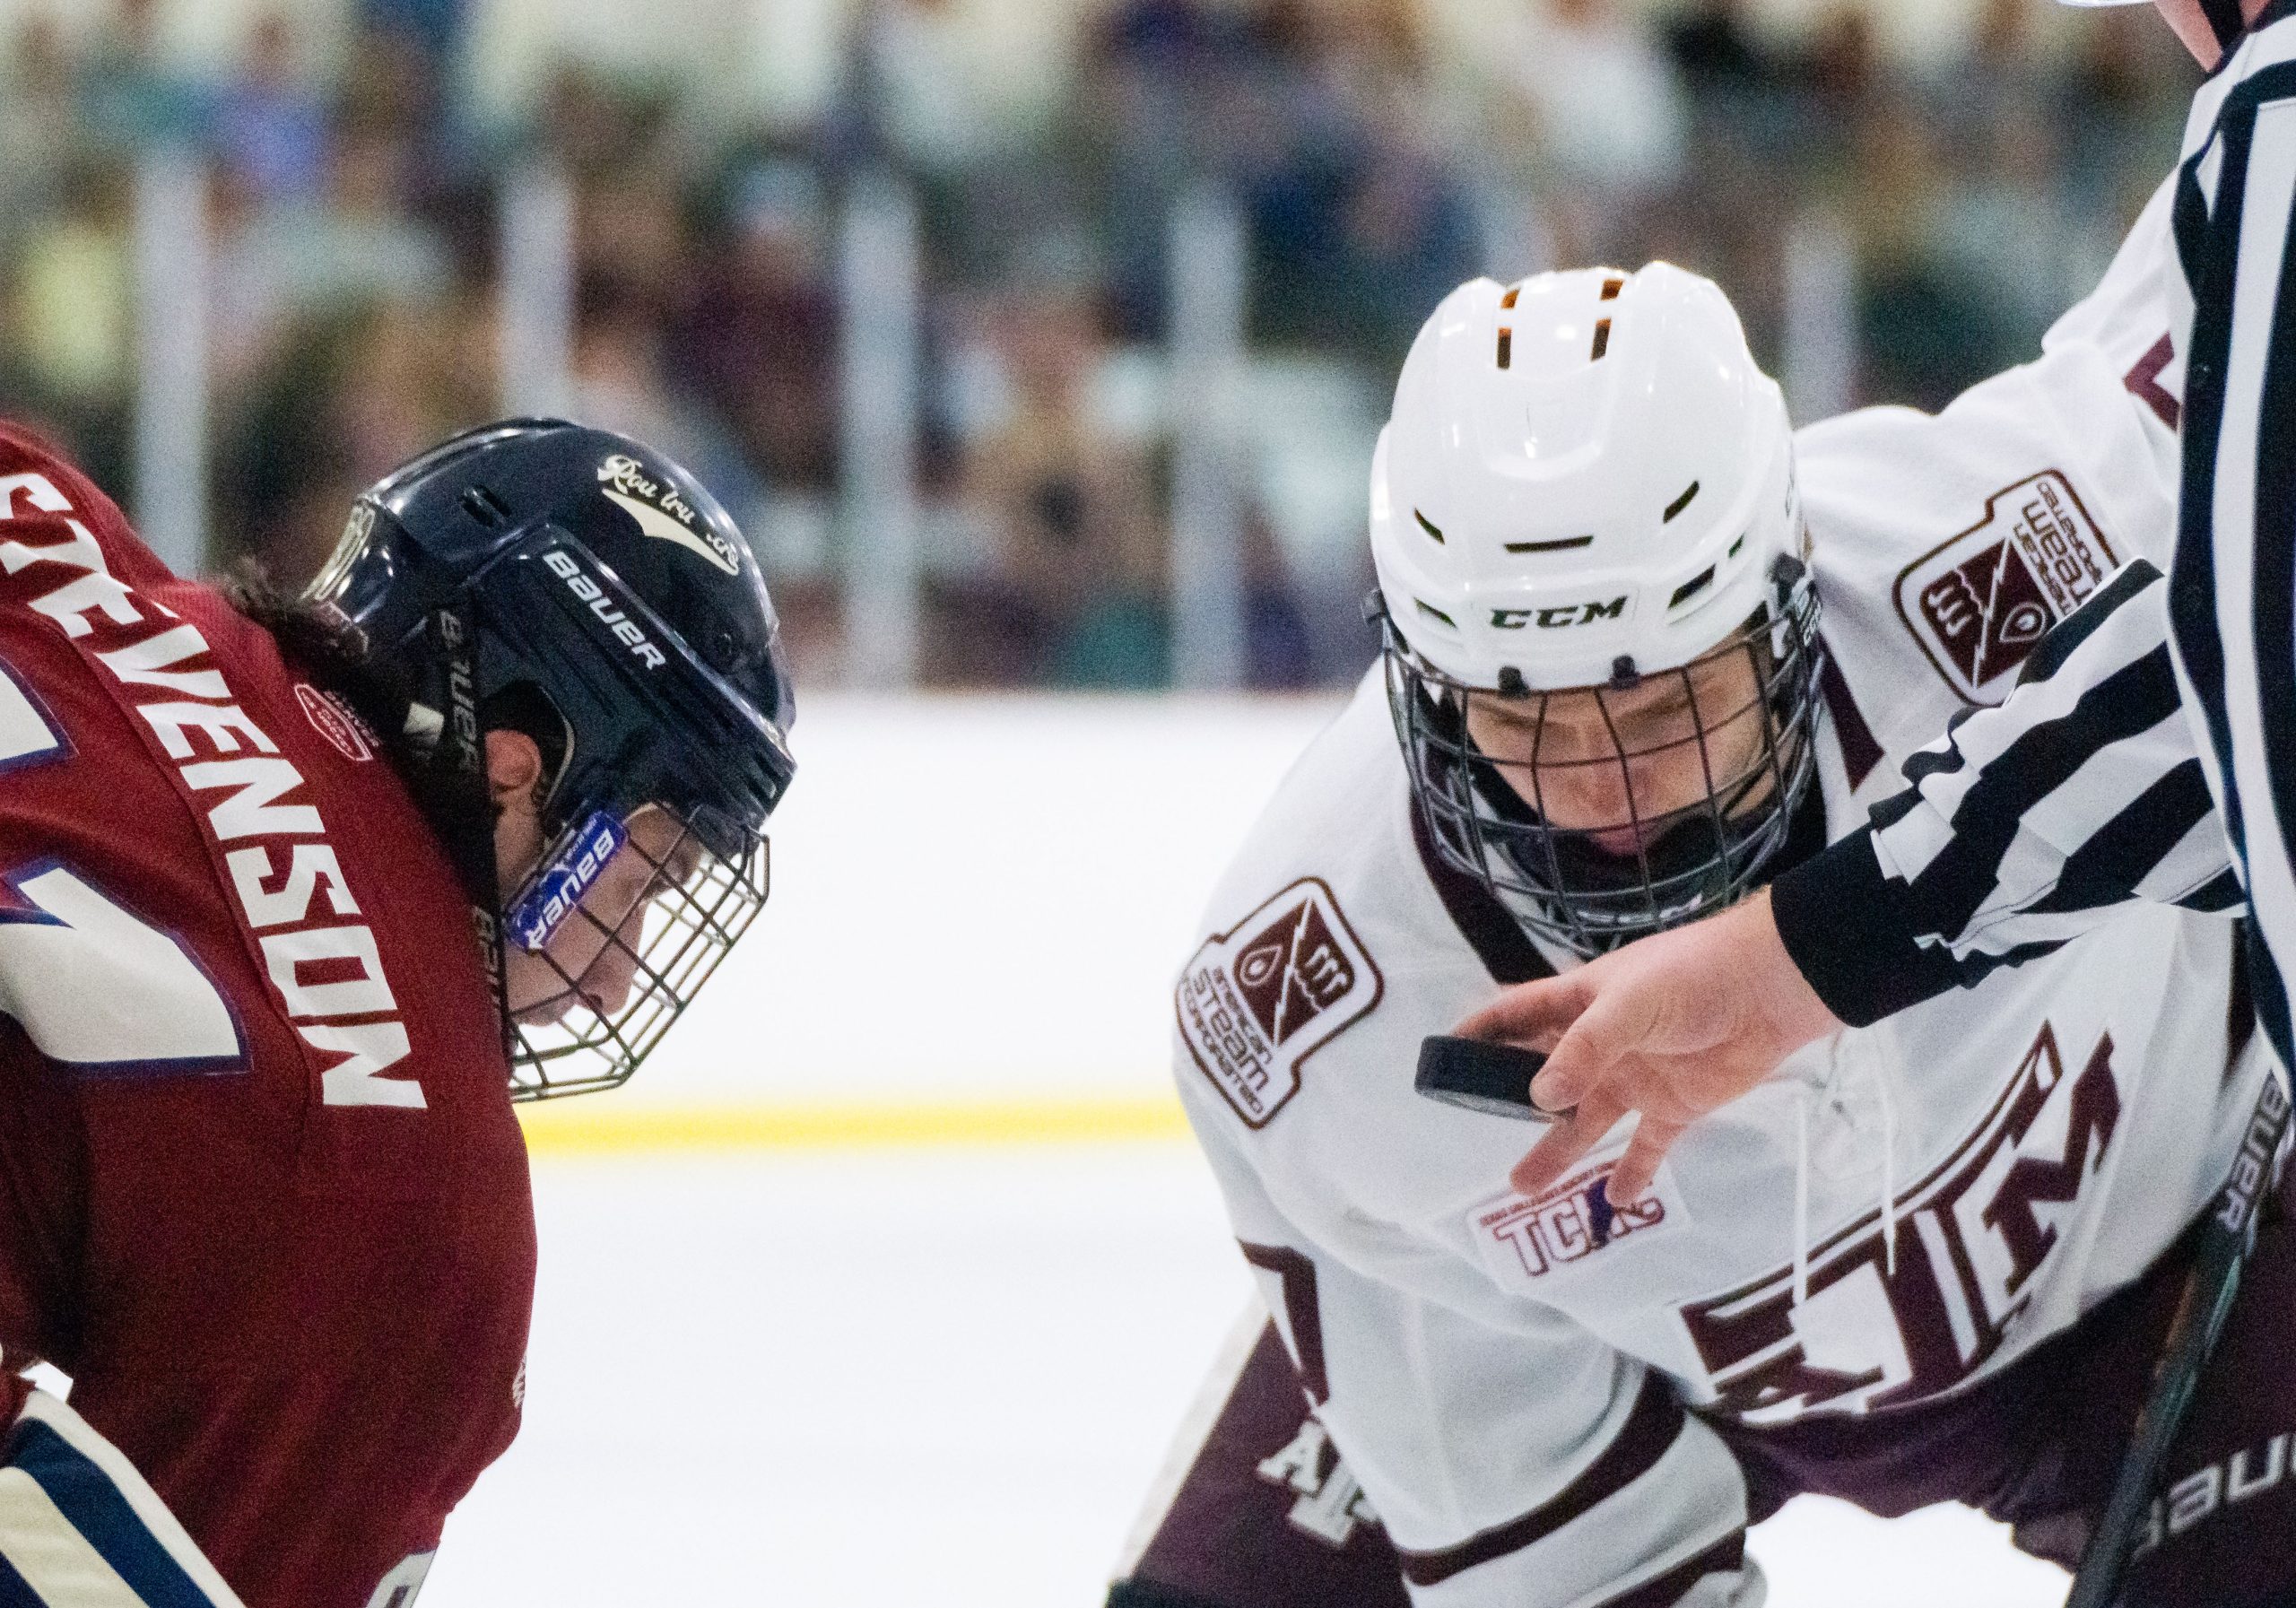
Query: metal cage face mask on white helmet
(1585,531)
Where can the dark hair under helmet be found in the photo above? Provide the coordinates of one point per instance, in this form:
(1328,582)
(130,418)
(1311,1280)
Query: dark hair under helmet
(581,587)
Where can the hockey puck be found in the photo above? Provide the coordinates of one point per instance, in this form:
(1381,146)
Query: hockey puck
(1477,1075)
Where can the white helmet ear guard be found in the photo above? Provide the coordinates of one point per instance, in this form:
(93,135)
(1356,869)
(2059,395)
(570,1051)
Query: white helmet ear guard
(1586,485)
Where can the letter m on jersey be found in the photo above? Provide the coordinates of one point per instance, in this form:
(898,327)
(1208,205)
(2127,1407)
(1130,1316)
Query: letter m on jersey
(1259,999)
(1878,1330)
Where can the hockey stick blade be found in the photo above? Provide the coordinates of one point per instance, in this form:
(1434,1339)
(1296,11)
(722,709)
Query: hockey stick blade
(1477,1075)
(2226,1238)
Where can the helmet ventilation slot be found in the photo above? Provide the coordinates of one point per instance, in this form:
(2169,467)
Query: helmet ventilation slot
(1563,545)
(1433,613)
(1506,346)
(1428,526)
(486,508)
(1680,503)
(1692,588)
(1508,300)
(1611,288)
(1602,340)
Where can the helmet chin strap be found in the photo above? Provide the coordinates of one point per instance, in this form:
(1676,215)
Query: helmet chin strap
(451,783)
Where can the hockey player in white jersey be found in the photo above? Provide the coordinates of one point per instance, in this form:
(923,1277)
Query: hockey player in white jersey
(1644,650)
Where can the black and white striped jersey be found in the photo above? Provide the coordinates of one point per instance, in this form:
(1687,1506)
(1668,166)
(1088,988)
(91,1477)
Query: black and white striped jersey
(1523,1386)
(2149,750)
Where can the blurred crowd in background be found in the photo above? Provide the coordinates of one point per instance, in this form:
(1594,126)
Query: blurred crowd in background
(353,194)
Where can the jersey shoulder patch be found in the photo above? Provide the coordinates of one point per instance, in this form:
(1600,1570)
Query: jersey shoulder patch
(1257,1001)
(1979,603)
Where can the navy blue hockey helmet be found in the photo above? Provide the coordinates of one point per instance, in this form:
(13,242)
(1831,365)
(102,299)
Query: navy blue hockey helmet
(581,587)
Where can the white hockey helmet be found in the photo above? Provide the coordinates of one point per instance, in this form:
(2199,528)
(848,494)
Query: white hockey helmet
(1587,481)
(1581,469)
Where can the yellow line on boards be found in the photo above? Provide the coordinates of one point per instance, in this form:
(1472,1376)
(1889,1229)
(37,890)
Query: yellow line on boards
(592,1125)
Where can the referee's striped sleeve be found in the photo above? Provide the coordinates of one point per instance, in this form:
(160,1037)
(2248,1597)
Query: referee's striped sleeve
(2232,592)
(2024,825)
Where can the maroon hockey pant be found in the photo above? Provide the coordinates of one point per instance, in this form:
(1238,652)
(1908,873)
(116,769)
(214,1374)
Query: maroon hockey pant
(1267,1517)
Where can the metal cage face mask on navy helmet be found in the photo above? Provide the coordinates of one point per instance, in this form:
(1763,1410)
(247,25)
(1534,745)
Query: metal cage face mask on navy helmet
(578,587)
(1583,518)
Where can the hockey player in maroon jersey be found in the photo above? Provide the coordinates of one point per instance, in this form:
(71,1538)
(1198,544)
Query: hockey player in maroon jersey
(262,1193)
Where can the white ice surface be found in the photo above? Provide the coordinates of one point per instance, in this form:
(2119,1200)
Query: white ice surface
(941,1379)
(912,1379)
(982,896)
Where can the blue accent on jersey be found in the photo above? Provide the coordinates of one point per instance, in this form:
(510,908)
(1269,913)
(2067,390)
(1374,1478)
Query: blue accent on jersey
(93,1506)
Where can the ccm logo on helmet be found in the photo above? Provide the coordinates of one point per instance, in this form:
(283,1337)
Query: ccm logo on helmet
(1559,617)
(626,629)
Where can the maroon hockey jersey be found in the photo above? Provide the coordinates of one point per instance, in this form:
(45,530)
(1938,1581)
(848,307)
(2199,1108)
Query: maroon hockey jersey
(262,1194)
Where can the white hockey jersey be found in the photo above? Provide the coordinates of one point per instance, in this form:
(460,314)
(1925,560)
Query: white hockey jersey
(1903,1210)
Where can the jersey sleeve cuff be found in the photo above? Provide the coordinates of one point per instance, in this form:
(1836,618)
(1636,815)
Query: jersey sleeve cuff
(1851,932)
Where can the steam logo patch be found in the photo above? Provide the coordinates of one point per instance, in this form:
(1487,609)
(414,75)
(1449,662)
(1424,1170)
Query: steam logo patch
(1258,1000)
(1978,604)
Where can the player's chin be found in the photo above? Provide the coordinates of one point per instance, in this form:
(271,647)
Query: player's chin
(547,1014)
(563,1003)
(549,1009)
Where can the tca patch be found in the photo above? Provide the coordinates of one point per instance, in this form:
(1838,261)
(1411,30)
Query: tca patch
(1260,998)
(1978,604)
(1522,1238)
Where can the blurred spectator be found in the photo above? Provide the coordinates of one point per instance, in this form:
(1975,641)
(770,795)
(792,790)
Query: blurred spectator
(621,384)
(590,126)
(70,306)
(1377,150)
(354,243)
(354,395)
(1408,237)
(1609,113)
(1715,50)
(1609,109)
(757,334)
(39,131)
(2121,101)
(1843,71)
(271,128)
(131,96)
(941,104)
(434,27)
(1928,327)
(1159,113)
(1075,597)
(2006,230)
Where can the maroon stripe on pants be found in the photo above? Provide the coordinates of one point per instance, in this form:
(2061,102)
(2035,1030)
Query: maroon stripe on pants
(1649,1430)
(1725,1556)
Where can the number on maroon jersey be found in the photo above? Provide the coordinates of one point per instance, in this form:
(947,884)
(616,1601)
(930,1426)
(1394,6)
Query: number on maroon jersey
(27,735)
(94,986)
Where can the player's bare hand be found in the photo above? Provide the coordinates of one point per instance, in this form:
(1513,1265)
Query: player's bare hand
(1670,1027)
